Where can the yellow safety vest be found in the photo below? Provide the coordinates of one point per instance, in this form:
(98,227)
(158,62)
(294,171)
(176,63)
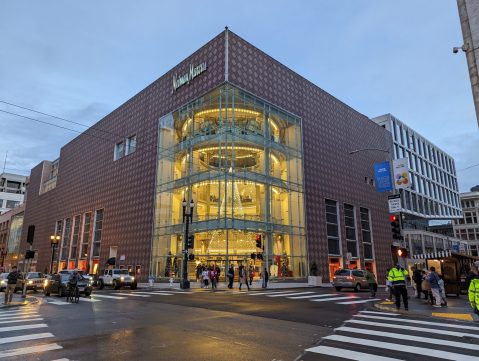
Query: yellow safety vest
(397,276)
(473,293)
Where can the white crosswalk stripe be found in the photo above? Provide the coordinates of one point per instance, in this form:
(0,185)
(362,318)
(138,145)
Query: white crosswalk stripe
(108,296)
(29,350)
(312,296)
(342,298)
(334,298)
(391,335)
(290,294)
(359,301)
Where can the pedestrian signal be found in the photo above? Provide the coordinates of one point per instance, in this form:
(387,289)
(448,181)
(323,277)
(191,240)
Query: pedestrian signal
(259,256)
(253,255)
(29,254)
(258,241)
(191,257)
(399,251)
(190,242)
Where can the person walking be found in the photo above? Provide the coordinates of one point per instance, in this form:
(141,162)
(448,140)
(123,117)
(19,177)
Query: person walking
(212,277)
(251,274)
(205,277)
(433,279)
(265,278)
(12,280)
(397,275)
(417,279)
(243,277)
(231,276)
(473,292)
(389,287)
(373,285)
(442,291)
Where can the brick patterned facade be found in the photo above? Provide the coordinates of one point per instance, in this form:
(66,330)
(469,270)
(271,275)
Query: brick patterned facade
(89,179)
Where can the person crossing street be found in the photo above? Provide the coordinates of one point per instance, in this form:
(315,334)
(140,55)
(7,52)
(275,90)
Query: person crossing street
(397,276)
(473,292)
(12,279)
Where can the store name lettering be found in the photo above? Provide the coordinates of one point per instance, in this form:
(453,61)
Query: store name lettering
(181,80)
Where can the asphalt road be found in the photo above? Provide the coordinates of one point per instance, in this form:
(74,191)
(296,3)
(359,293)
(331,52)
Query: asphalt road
(193,325)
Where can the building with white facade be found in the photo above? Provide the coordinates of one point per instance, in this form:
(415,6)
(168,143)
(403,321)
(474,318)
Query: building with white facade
(434,192)
(12,191)
(467,228)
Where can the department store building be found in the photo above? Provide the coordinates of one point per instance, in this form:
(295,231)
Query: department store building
(259,149)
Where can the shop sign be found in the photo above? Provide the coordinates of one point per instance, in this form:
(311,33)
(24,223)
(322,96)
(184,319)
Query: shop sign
(181,80)
(382,175)
(401,173)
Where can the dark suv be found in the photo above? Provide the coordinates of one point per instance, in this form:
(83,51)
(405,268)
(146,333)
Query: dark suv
(58,283)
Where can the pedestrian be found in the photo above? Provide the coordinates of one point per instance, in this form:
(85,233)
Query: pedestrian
(265,278)
(284,269)
(251,274)
(389,287)
(212,277)
(12,280)
(373,285)
(205,278)
(442,291)
(230,275)
(397,275)
(243,276)
(433,279)
(473,292)
(417,279)
(218,271)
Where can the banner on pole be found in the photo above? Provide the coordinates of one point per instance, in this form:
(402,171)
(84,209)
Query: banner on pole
(382,175)
(401,174)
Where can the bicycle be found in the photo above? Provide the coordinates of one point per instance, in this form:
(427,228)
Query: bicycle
(73,294)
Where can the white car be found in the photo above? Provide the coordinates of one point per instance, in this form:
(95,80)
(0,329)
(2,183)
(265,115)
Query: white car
(117,278)
(3,281)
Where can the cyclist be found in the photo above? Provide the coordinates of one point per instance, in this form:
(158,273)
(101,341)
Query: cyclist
(73,281)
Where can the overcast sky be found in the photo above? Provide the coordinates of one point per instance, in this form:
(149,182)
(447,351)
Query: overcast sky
(81,60)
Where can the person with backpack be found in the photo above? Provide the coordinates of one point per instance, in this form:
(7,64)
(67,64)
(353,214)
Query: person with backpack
(12,280)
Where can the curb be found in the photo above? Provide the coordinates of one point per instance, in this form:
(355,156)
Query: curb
(401,311)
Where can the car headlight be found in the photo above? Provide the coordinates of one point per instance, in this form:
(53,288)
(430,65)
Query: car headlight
(132,278)
(3,282)
(122,278)
(30,282)
(45,282)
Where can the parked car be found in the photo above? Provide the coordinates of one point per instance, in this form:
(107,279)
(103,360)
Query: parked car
(58,283)
(3,281)
(350,278)
(117,278)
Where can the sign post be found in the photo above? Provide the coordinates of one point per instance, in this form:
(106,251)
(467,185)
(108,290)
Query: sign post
(394,203)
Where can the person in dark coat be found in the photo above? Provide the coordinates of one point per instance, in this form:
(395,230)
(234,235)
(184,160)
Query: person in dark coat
(265,278)
(231,276)
(12,280)
(417,278)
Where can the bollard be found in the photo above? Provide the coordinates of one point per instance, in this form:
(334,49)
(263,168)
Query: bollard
(171,282)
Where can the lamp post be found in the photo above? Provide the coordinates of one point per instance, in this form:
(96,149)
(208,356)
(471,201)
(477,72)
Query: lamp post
(3,253)
(54,239)
(188,216)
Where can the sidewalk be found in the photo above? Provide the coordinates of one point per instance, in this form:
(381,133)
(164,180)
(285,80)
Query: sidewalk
(223,285)
(457,308)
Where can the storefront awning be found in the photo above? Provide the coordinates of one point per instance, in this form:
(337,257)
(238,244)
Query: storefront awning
(432,255)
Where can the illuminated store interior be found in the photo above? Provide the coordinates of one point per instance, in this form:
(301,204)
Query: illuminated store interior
(240,160)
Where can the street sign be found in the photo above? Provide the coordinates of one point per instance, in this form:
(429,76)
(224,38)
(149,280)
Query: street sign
(394,203)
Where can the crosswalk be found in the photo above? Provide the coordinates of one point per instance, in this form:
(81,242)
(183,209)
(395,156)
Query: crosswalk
(23,332)
(382,336)
(292,295)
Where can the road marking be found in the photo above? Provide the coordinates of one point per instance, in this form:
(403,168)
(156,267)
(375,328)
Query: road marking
(86,299)
(162,293)
(335,298)
(350,355)
(62,359)
(421,322)
(440,354)
(25,320)
(381,313)
(18,312)
(132,294)
(59,303)
(19,315)
(33,336)
(402,336)
(112,297)
(458,316)
(360,301)
(313,296)
(23,327)
(270,293)
(293,294)
(413,328)
(31,349)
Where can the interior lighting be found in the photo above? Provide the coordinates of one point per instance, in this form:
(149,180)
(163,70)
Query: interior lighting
(274,158)
(188,121)
(273,124)
(251,149)
(230,110)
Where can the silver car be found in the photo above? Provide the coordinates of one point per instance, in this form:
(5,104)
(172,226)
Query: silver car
(350,278)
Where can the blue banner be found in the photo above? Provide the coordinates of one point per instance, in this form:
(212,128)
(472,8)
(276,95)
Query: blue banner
(382,176)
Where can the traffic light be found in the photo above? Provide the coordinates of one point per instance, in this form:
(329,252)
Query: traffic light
(399,251)
(259,256)
(253,255)
(30,234)
(395,227)
(191,257)
(29,254)
(190,242)
(258,241)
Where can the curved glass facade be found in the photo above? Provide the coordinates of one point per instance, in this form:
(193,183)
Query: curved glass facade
(240,160)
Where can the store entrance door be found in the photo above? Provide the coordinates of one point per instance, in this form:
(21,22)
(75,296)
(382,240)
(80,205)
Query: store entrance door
(235,261)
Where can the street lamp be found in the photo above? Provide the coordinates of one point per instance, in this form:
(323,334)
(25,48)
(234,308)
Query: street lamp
(188,216)
(54,239)
(3,253)
(360,150)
